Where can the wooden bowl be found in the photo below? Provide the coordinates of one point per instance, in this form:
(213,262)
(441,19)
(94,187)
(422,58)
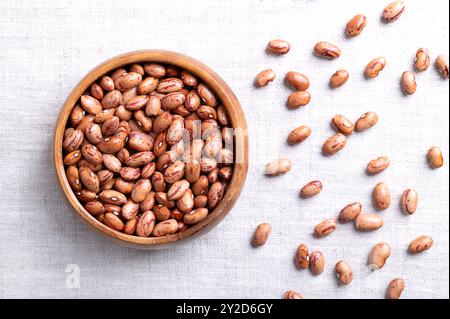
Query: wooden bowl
(229,101)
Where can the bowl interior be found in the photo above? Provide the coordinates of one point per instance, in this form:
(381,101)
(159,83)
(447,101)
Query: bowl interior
(235,114)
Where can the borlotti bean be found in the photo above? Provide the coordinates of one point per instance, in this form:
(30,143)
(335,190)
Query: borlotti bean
(298,99)
(442,65)
(327,50)
(378,165)
(378,255)
(409,201)
(393,11)
(262,233)
(297,80)
(422,60)
(420,244)
(368,221)
(342,124)
(278,46)
(350,212)
(366,121)
(278,167)
(435,158)
(325,227)
(374,67)
(124,155)
(316,263)
(344,272)
(334,144)
(311,189)
(265,77)
(355,25)
(381,196)
(408,83)
(291,294)
(299,134)
(302,257)
(395,288)
(339,78)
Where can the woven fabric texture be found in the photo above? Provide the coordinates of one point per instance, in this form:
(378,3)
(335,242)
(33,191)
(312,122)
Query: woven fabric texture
(48,46)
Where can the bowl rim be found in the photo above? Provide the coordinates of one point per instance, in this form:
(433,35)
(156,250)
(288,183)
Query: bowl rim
(230,103)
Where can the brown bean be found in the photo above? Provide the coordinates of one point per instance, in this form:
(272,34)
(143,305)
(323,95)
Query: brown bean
(435,158)
(291,294)
(90,104)
(374,67)
(355,25)
(297,80)
(339,78)
(154,69)
(215,194)
(110,145)
(368,221)
(278,167)
(195,216)
(178,189)
(73,177)
(366,121)
(442,65)
(327,50)
(192,101)
(76,115)
(104,115)
(91,154)
(94,208)
(311,189)
(89,179)
(408,82)
(145,224)
(164,228)
(378,165)
(162,122)
(350,212)
(334,144)
(325,227)
(302,257)
(127,81)
(344,272)
(393,11)
(188,78)
(130,226)
(264,77)
(381,196)
(206,95)
(113,221)
(72,158)
(420,244)
(422,60)
(378,255)
(261,234)
(298,99)
(299,134)
(395,288)
(141,190)
(73,141)
(107,83)
(316,263)
(342,124)
(139,159)
(278,46)
(169,85)
(112,99)
(409,201)
(147,85)
(113,197)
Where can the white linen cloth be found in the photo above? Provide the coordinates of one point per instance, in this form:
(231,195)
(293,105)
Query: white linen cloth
(48,46)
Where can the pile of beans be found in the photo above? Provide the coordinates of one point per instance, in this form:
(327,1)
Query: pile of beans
(148,150)
(381,196)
